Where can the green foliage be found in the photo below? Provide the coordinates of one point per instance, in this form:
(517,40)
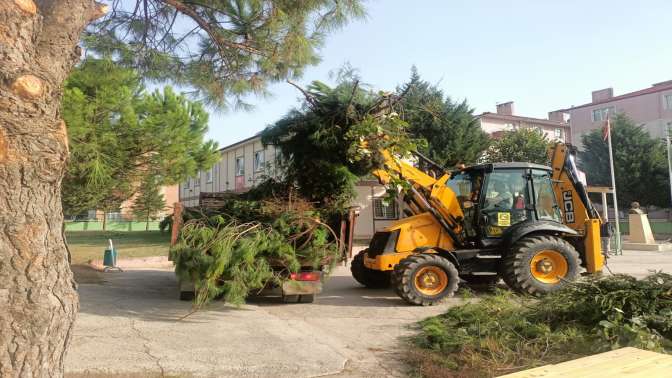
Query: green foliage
(452,132)
(503,333)
(222,49)
(639,162)
(149,201)
(335,138)
(229,256)
(121,136)
(524,144)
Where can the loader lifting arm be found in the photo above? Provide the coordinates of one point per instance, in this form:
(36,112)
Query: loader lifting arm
(426,194)
(578,211)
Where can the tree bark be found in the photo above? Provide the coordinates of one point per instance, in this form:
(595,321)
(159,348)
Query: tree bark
(38,301)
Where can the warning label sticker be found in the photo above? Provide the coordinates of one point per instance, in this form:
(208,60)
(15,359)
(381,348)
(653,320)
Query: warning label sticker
(504,219)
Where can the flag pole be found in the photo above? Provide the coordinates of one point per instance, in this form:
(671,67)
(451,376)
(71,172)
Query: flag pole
(613,186)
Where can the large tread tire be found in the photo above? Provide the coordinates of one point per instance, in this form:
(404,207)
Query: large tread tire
(374,279)
(404,278)
(516,270)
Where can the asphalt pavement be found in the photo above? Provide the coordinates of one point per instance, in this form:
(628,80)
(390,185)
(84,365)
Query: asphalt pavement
(131,324)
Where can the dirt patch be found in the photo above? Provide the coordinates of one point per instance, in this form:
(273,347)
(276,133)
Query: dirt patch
(123,375)
(151,262)
(85,274)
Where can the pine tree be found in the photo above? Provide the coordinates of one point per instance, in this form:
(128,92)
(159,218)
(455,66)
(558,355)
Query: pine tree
(639,163)
(149,201)
(120,136)
(524,144)
(222,49)
(450,128)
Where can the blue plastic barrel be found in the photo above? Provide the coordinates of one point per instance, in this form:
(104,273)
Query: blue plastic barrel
(110,257)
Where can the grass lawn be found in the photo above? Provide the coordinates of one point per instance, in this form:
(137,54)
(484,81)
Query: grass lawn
(90,245)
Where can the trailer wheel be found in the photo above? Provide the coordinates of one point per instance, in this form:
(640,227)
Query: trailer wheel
(290,298)
(187,295)
(306,298)
(370,278)
(540,264)
(425,279)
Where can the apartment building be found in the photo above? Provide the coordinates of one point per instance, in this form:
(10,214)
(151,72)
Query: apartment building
(246,163)
(241,166)
(556,129)
(650,107)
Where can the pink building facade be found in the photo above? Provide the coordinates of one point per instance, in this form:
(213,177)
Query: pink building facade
(505,120)
(650,107)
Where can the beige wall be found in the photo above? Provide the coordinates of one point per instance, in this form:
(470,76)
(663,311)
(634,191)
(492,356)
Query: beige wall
(493,125)
(648,110)
(170,196)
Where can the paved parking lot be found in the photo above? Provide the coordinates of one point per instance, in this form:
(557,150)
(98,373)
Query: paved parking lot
(129,326)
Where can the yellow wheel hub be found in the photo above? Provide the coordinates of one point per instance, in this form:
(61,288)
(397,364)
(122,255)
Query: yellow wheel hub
(431,280)
(548,266)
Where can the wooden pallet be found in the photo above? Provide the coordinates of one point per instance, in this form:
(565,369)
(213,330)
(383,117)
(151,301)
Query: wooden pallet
(624,362)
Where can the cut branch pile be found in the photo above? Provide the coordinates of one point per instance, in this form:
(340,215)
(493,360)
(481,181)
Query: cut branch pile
(247,245)
(504,333)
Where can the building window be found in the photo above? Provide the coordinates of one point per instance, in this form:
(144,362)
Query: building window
(187,183)
(668,101)
(259,161)
(382,210)
(240,166)
(602,113)
(558,133)
(197,181)
(208,176)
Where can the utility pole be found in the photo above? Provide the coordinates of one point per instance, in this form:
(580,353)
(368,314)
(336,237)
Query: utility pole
(613,185)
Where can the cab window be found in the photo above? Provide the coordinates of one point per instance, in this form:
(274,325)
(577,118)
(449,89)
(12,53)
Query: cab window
(506,199)
(547,207)
(464,187)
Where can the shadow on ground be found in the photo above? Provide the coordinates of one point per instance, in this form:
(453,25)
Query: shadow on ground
(152,295)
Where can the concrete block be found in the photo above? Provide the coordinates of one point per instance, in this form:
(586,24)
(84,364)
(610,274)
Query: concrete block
(657,247)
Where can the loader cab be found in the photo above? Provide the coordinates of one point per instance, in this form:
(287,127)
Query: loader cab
(498,196)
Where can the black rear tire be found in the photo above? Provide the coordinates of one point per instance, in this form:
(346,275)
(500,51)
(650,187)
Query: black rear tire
(517,270)
(374,279)
(405,274)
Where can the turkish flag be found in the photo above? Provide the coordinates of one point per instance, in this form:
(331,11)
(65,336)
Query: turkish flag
(605,130)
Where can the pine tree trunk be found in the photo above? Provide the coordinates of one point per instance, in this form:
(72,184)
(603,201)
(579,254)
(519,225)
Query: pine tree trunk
(38,301)
(104,220)
(147,224)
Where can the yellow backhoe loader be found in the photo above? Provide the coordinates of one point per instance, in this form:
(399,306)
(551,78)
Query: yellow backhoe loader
(531,225)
